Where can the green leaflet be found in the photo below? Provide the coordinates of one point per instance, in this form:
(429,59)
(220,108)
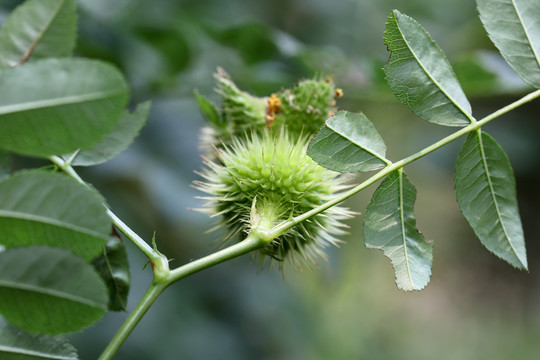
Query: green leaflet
(39,208)
(420,75)
(16,344)
(49,290)
(118,140)
(113,267)
(209,111)
(38,29)
(486,194)
(390,225)
(348,143)
(514,27)
(55,106)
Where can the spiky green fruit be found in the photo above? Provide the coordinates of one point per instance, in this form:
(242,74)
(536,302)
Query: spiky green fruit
(264,179)
(241,111)
(306,106)
(301,110)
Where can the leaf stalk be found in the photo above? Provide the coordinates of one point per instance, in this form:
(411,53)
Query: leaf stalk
(287,225)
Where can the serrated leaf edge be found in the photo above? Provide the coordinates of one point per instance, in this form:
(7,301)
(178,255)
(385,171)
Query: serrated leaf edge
(493,198)
(533,49)
(467,114)
(382,158)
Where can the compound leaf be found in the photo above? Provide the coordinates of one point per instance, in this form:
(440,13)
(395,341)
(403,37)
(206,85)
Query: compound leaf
(348,143)
(514,27)
(486,194)
(16,344)
(49,290)
(40,208)
(420,75)
(390,225)
(118,140)
(55,106)
(38,29)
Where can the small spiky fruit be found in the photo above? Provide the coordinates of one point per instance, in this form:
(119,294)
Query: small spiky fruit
(241,111)
(302,110)
(306,106)
(264,179)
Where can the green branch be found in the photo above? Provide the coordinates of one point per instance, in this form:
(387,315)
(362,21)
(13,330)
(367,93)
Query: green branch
(133,319)
(66,167)
(160,283)
(287,225)
(254,241)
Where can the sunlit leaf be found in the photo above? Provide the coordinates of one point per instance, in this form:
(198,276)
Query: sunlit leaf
(390,225)
(348,143)
(38,29)
(118,140)
(514,27)
(39,208)
(16,344)
(486,194)
(420,75)
(113,266)
(55,106)
(49,290)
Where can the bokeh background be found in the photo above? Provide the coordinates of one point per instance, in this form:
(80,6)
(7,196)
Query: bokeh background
(476,306)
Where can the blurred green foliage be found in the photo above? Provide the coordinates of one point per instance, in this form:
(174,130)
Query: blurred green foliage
(476,306)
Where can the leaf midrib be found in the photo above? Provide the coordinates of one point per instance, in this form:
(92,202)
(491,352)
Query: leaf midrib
(402,224)
(22,351)
(50,221)
(35,42)
(471,119)
(533,50)
(369,151)
(492,194)
(59,101)
(50,292)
